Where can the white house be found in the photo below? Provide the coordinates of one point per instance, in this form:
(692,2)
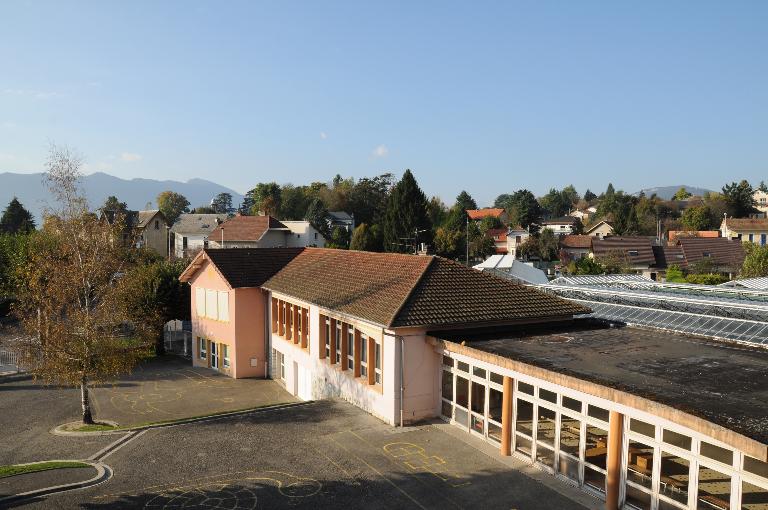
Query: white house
(264,232)
(191,232)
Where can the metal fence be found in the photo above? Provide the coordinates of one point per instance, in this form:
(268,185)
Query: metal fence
(177,338)
(9,359)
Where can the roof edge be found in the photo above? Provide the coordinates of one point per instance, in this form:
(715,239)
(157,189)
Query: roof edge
(410,292)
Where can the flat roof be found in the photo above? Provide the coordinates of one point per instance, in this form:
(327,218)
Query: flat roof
(722,383)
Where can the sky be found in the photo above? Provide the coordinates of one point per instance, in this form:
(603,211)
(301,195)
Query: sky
(487,97)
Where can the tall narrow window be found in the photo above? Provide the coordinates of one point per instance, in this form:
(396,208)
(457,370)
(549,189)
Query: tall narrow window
(327,339)
(377,362)
(223,300)
(363,356)
(202,350)
(225,355)
(211,307)
(200,301)
(350,348)
(214,356)
(339,340)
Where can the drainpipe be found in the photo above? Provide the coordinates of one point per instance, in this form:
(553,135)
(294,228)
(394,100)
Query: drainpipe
(402,376)
(267,334)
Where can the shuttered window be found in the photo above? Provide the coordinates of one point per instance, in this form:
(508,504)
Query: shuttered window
(223,299)
(200,301)
(211,307)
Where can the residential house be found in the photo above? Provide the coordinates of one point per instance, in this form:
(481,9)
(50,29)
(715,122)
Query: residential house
(341,219)
(761,201)
(147,229)
(495,212)
(561,226)
(576,246)
(191,231)
(583,214)
(725,255)
(516,236)
(601,229)
(499,236)
(508,363)
(673,235)
(507,266)
(263,232)
(633,253)
(754,230)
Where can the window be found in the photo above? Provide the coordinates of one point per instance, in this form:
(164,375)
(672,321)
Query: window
(377,362)
(643,428)
(223,299)
(676,439)
(715,452)
(464,367)
(549,396)
(157,225)
(674,475)
(598,412)
(640,463)
(706,254)
(363,356)
(225,355)
(497,378)
(327,339)
(200,301)
(281,359)
(202,349)
(350,348)
(633,253)
(714,489)
(214,356)
(525,388)
(572,404)
(339,340)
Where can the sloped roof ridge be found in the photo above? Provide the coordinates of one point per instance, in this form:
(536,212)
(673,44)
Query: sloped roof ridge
(413,288)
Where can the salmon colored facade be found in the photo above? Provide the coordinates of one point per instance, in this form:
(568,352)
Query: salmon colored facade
(242,334)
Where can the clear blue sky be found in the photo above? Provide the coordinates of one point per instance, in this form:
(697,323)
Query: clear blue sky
(484,96)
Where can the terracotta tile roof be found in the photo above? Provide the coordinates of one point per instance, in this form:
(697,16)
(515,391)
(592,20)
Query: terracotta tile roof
(498,234)
(479,214)
(576,241)
(371,286)
(452,294)
(397,290)
(677,234)
(636,249)
(245,228)
(722,251)
(747,223)
(243,267)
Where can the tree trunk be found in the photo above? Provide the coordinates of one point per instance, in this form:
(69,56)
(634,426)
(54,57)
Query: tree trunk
(86,402)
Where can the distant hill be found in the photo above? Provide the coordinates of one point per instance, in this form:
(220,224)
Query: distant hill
(667,192)
(31,191)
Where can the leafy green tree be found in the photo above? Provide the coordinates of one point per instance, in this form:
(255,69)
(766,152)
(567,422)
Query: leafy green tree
(16,219)
(675,274)
(294,202)
(365,238)
(448,243)
(317,216)
(554,204)
(544,245)
(437,211)
(681,194)
(491,223)
(697,218)
(172,205)
(406,214)
(113,204)
(755,262)
(13,255)
(481,245)
(339,239)
(589,196)
(586,266)
(521,206)
(154,291)
(740,199)
(222,203)
(266,198)
(367,199)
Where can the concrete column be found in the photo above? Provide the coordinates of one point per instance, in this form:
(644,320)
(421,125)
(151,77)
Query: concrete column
(506,416)
(613,462)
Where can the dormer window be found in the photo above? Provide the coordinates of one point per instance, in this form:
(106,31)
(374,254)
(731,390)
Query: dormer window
(706,254)
(633,253)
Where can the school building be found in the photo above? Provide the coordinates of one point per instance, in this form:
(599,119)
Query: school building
(640,418)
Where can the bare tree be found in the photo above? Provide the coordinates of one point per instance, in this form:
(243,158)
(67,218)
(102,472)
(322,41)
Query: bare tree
(72,302)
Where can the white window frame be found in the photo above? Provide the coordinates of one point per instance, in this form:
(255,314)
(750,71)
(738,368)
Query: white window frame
(363,356)
(214,356)
(350,361)
(327,345)
(202,349)
(339,340)
(377,362)
(225,356)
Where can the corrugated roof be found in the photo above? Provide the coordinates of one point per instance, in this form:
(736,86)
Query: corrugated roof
(406,290)
(197,223)
(636,249)
(244,267)
(748,283)
(245,228)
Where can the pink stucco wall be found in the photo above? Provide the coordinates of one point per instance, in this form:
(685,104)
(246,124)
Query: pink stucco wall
(243,333)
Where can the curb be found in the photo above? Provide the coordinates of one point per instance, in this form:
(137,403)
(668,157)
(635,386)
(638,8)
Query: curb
(57,431)
(103,473)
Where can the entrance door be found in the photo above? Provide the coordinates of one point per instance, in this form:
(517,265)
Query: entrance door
(214,356)
(304,387)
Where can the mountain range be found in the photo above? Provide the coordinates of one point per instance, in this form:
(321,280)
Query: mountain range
(667,192)
(137,193)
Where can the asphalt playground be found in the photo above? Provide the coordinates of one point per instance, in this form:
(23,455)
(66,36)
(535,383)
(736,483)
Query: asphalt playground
(326,454)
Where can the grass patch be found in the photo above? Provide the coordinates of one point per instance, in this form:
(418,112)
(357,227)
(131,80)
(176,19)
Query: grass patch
(17,469)
(96,427)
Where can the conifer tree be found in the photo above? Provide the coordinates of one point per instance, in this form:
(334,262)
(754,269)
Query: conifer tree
(16,219)
(406,213)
